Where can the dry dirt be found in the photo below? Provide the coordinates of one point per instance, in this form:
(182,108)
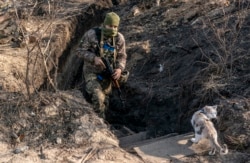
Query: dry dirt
(182,55)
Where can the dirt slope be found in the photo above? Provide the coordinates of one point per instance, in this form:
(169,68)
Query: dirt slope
(181,56)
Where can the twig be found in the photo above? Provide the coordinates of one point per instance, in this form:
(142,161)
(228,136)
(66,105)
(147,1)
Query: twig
(28,54)
(89,155)
(128,130)
(46,67)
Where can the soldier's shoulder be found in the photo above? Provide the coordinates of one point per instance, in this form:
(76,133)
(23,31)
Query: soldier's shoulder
(120,36)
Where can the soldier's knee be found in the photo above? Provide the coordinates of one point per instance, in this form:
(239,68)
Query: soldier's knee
(98,95)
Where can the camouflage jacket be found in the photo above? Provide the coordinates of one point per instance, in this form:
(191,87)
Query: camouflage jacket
(89,48)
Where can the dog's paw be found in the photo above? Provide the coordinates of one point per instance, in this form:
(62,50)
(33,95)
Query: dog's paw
(193,140)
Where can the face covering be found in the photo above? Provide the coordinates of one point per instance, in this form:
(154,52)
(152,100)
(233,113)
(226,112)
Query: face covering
(109,32)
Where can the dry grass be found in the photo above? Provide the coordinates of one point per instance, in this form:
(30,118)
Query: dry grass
(220,62)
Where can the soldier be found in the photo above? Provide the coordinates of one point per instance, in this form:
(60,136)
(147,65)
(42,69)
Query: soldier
(107,42)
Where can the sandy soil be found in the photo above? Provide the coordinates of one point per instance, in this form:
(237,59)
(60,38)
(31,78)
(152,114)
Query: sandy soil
(181,56)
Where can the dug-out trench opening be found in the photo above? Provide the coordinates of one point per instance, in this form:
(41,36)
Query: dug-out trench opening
(140,113)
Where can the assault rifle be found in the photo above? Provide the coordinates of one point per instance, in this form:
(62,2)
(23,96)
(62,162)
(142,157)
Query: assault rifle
(109,71)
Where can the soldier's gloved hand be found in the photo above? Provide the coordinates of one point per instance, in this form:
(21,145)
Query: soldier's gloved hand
(99,63)
(117,74)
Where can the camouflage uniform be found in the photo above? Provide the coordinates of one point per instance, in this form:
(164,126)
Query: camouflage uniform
(88,49)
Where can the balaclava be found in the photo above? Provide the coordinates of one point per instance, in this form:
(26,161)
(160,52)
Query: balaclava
(111,19)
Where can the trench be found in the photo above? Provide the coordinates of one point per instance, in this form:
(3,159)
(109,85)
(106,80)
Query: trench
(137,116)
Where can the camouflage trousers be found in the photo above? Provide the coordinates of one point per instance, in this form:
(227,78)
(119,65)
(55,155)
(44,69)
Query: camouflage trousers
(99,92)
